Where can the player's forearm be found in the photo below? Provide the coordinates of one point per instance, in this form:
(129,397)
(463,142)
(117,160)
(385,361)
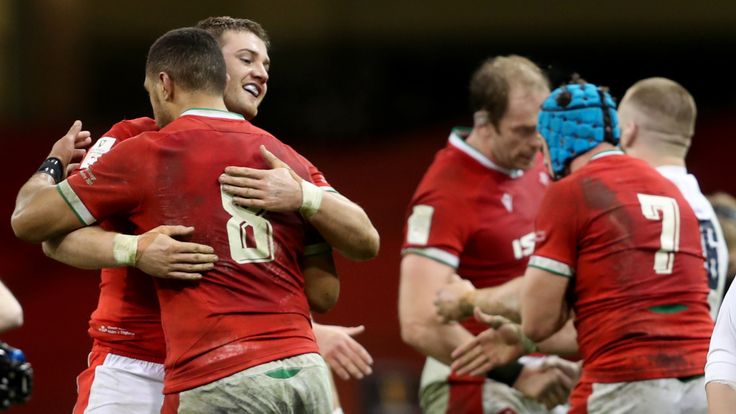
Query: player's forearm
(721,398)
(563,342)
(321,283)
(501,300)
(346,227)
(435,340)
(31,220)
(85,248)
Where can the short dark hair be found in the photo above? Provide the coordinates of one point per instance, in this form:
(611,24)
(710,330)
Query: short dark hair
(491,82)
(191,57)
(218,25)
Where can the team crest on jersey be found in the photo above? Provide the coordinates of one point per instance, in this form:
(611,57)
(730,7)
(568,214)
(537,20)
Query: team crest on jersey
(101,147)
(544,178)
(507,202)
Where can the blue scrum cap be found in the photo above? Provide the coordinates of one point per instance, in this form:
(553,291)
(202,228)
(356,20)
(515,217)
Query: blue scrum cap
(574,119)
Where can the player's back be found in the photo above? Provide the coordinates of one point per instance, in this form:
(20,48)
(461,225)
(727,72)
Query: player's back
(251,308)
(640,283)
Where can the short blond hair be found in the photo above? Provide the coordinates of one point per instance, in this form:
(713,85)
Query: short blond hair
(668,106)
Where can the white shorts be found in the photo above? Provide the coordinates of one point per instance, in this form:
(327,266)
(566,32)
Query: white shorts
(114,384)
(441,392)
(666,395)
(295,385)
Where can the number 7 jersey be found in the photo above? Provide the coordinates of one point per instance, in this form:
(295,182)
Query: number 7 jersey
(630,245)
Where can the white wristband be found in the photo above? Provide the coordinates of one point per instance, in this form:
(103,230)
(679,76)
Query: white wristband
(337,410)
(311,199)
(124,249)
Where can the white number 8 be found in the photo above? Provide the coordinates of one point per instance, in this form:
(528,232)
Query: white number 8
(665,209)
(249,233)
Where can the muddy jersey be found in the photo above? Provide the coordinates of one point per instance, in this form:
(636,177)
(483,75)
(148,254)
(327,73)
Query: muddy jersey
(251,308)
(630,244)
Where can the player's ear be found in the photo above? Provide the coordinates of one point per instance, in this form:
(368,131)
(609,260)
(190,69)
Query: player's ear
(628,134)
(166,85)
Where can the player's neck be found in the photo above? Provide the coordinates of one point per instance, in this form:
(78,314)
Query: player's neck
(201,101)
(477,140)
(657,157)
(584,158)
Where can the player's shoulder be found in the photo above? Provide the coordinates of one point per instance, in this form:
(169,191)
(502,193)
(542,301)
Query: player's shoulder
(129,128)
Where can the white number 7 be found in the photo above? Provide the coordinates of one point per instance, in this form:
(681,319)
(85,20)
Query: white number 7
(664,209)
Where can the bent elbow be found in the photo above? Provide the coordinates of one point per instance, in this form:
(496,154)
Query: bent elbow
(367,247)
(12,319)
(411,334)
(23,229)
(535,331)
(48,249)
(323,303)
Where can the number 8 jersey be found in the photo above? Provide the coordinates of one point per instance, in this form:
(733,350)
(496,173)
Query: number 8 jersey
(251,308)
(631,246)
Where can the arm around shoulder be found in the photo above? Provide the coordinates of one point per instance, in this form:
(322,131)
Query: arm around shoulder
(346,226)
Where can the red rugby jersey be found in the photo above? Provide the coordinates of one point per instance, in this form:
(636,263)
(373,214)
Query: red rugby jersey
(251,308)
(631,245)
(475,216)
(127,319)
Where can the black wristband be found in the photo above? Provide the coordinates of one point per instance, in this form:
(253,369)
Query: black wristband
(506,374)
(53,167)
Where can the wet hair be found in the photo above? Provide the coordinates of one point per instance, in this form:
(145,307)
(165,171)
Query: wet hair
(491,84)
(192,59)
(216,26)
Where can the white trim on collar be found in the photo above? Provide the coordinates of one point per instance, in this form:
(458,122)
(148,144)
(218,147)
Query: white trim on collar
(212,113)
(672,170)
(606,153)
(458,142)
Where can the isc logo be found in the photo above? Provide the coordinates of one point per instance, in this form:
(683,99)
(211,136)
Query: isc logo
(524,246)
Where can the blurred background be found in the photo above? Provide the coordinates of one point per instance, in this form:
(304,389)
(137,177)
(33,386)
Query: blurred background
(367,90)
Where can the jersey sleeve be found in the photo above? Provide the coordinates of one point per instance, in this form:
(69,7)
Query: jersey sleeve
(113,185)
(119,132)
(315,175)
(556,231)
(437,227)
(721,363)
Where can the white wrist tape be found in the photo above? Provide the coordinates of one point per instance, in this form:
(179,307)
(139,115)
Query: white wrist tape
(337,410)
(124,249)
(311,199)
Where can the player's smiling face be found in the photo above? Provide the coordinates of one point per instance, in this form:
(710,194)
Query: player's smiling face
(246,57)
(517,143)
